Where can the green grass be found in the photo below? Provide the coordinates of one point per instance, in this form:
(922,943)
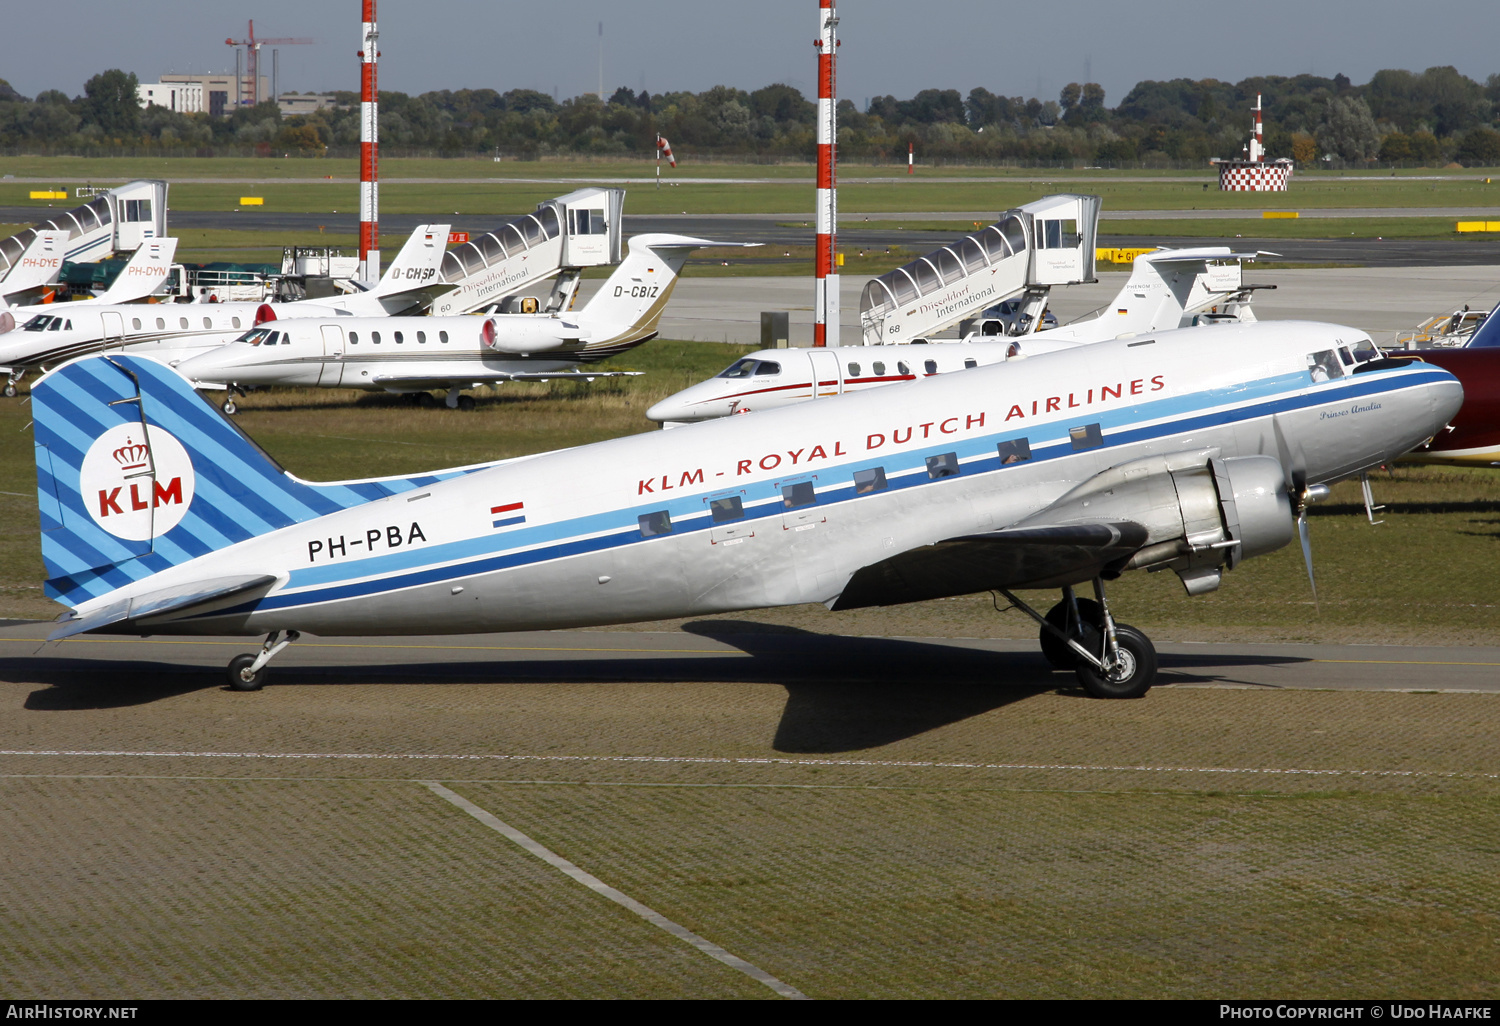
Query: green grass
(205,185)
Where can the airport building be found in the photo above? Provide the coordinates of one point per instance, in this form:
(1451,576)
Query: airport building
(183,97)
(304,103)
(216,95)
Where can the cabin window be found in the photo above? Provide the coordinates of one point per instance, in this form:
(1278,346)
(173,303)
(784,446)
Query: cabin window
(182,322)
(442,336)
(375,337)
(1017,450)
(970,363)
(930,366)
(161,324)
(854,370)
(422,338)
(800,494)
(135,323)
(942,465)
(354,338)
(235,321)
(867,481)
(878,368)
(653,524)
(1086,437)
(726,509)
(1324,366)
(207,322)
(739,369)
(400,338)
(902,368)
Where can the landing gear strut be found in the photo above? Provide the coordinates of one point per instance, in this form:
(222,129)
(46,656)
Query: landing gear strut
(247,672)
(1111,660)
(228,406)
(10,385)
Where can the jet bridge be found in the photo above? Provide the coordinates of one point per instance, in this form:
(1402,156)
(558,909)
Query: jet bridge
(117,221)
(1047,242)
(557,240)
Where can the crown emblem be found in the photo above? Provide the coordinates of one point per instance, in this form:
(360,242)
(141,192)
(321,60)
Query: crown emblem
(132,455)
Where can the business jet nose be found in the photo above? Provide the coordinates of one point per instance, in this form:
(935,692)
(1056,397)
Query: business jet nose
(212,366)
(697,402)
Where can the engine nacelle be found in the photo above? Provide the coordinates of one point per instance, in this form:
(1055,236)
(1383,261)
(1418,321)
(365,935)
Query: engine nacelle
(521,334)
(1202,513)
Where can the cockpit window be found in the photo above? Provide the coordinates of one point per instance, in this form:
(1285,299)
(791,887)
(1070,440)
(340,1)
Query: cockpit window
(257,336)
(767,368)
(1324,366)
(739,369)
(37,323)
(56,325)
(1364,351)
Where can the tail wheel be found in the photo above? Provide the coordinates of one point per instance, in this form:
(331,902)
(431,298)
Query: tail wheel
(240,677)
(1134,674)
(1059,656)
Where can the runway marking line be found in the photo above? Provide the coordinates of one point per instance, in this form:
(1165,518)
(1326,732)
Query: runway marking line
(711,760)
(599,887)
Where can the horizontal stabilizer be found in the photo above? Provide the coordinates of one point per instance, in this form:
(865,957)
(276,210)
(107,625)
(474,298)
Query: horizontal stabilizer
(179,601)
(1023,557)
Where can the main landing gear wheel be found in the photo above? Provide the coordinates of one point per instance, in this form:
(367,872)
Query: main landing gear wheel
(1056,651)
(242,678)
(466,402)
(1131,676)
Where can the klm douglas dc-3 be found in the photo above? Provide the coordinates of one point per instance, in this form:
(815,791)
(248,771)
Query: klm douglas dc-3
(1189,450)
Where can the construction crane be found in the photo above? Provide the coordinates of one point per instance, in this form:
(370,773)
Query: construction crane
(252,47)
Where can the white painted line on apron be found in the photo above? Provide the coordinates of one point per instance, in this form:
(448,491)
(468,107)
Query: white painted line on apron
(598,886)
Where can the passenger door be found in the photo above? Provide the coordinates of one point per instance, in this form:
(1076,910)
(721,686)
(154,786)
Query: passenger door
(114,329)
(332,371)
(826,377)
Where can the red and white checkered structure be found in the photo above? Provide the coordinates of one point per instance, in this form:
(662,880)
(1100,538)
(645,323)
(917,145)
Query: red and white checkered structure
(826,286)
(369,145)
(1241,176)
(1251,173)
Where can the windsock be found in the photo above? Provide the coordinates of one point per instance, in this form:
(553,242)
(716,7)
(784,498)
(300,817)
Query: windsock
(666,149)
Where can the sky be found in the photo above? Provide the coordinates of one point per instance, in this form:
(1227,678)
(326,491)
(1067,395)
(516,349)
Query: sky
(889,46)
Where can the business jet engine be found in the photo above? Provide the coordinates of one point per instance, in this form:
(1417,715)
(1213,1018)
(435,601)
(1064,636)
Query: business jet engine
(1203,513)
(520,334)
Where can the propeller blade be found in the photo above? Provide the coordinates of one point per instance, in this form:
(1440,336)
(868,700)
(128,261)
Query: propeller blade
(1306,535)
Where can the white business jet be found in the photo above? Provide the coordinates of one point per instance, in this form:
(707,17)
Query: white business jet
(1167,289)
(417,354)
(1190,451)
(115,321)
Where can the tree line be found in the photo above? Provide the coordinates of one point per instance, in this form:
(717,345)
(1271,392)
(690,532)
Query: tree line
(1398,118)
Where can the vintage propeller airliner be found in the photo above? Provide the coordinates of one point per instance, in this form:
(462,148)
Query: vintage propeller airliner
(1190,450)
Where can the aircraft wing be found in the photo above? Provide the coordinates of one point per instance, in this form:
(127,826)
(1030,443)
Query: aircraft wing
(1019,557)
(483,377)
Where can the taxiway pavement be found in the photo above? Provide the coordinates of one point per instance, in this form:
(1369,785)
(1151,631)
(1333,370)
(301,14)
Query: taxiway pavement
(707,651)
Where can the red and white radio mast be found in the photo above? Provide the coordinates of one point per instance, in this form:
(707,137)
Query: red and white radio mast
(826,288)
(369,146)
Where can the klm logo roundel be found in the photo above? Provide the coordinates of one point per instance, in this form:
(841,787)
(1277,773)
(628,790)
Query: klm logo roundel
(136,486)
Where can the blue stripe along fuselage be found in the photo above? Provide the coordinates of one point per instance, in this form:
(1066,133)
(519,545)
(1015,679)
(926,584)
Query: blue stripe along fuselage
(616,528)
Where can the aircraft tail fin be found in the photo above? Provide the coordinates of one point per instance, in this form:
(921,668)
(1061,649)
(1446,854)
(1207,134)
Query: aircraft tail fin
(39,264)
(1168,285)
(633,298)
(143,274)
(416,266)
(137,473)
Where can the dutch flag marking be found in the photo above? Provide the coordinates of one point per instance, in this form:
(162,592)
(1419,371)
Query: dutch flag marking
(508,508)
